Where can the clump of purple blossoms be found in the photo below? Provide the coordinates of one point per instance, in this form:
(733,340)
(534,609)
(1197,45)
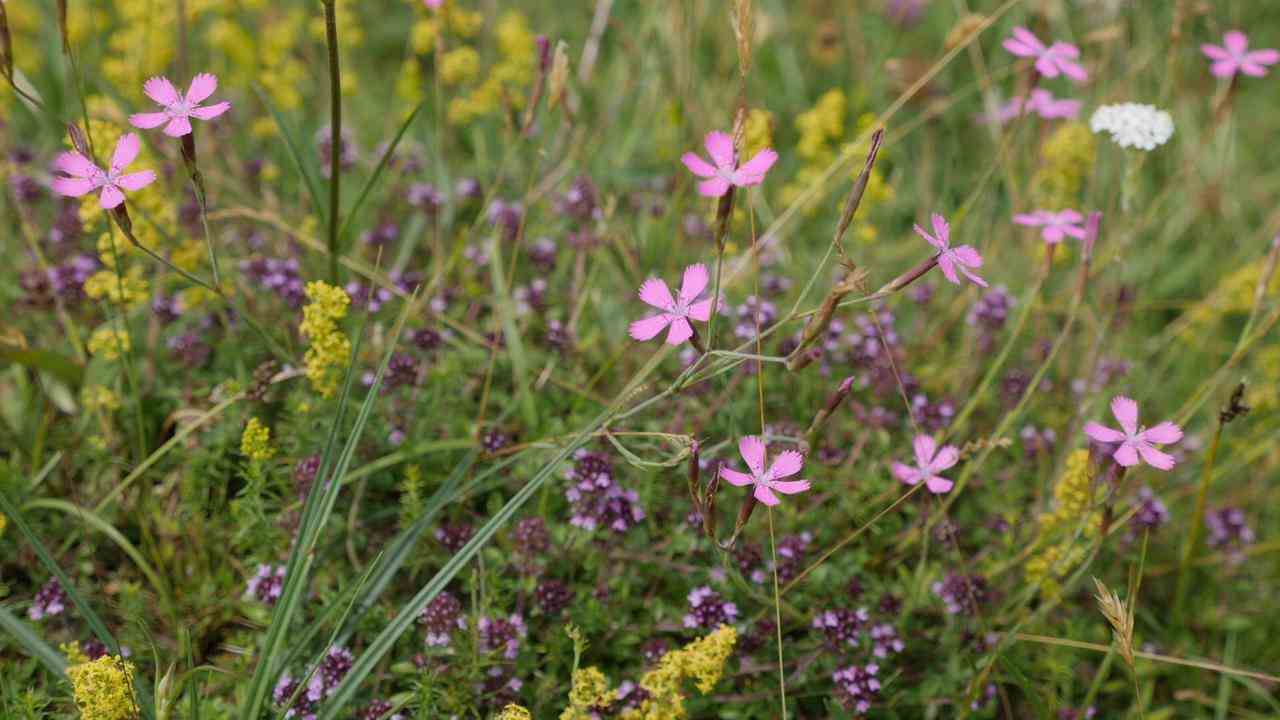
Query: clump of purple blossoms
(347,152)
(1150,513)
(579,201)
(1228,531)
(542,253)
(267,584)
(790,552)
(50,600)
(502,634)
(989,315)
(382,235)
(506,216)
(494,439)
(377,710)
(425,197)
(190,349)
(842,626)
(333,668)
(708,610)
(597,500)
(885,640)
(753,313)
(402,371)
(281,276)
(1037,442)
(857,687)
(366,296)
(932,416)
(454,536)
(441,617)
(553,597)
(962,594)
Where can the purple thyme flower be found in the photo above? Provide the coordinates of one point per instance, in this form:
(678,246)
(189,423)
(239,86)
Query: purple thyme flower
(708,610)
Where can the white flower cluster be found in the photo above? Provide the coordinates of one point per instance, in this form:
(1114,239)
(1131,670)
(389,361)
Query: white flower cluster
(1133,125)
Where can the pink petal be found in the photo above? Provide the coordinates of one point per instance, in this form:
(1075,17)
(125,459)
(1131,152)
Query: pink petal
(1252,69)
(701,311)
(136,181)
(905,473)
(648,328)
(1155,458)
(791,487)
(202,86)
(925,448)
(1126,412)
(1214,52)
(1028,39)
(209,112)
(941,229)
(1224,68)
(75,165)
(734,477)
(720,147)
(73,187)
(161,90)
(928,238)
(655,293)
(1075,231)
(973,277)
(1067,216)
(946,457)
(752,450)
(938,485)
(1236,42)
(693,283)
(1269,56)
(697,165)
(680,331)
(1102,433)
(1052,235)
(1073,70)
(127,148)
(1126,455)
(948,267)
(715,187)
(967,256)
(1064,50)
(787,463)
(146,121)
(752,173)
(1018,48)
(766,496)
(1032,219)
(1162,434)
(111,197)
(178,127)
(1047,66)
(1062,109)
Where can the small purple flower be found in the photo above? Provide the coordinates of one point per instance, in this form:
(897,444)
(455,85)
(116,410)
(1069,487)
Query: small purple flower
(579,201)
(708,610)
(1228,531)
(267,584)
(884,638)
(51,600)
(842,626)
(1149,513)
(502,634)
(553,597)
(425,197)
(369,297)
(441,617)
(454,536)
(347,152)
(506,216)
(962,594)
(597,500)
(857,687)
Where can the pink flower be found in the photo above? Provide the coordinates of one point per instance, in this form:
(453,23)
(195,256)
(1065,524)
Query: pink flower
(930,460)
(1056,59)
(1234,56)
(433,4)
(724,173)
(179,108)
(79,176)
(950,259)
(1050,108)
(1135,441)
(677,311)
(1057,225)
(766,482)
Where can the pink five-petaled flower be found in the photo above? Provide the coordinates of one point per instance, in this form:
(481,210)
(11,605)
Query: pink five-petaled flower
(1135,441)
(81,177)
(1052,61)
(1234,57)
(950,259)
(676,311)
(930,460)
(723,173)
(769,481)
(433,4)
(1057,225)
(179,108)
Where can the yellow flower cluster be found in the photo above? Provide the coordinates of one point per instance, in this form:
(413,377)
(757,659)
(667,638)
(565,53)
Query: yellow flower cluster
(757,133)
(1073,494)
(99,397)
(4,521)
(1234,294)
(822,133)
(590,692)
(109,343)
(701,661)
(1068,156)
(25,21)
(255,442)
(425,36)
(350,37)
(263,52)
(104,688)
(330,349)
(128,288)
(459,65)
(75,655)
(1073,497)
(514,712)
(517,49)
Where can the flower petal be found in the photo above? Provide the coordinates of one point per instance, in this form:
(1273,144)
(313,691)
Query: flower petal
(1270,56)
(178,127)
(111,197)
(787,463)
(928,238)
(1236,42)
(697,165)
(1126,412)
(654,292)
(1224,68)
(648,328)
(1213,52)
(202,86)
(75,165)
(734,477)
(1102,433)
(680,331)
(209,112)
(161,90)
(938,485)
(146,121)
(1125,455)
(925,448)
(752,173)
(1034,219)
(941,229)
(127,148)
(1162,434)
(720,147)
(1155,458)
(136,181)
(693,283)
(73,187)
(752,450)
(946,457)
(967,255)
(715,187)
(791,487)
(701,311)
(905,473)
(766,496)
(948,266)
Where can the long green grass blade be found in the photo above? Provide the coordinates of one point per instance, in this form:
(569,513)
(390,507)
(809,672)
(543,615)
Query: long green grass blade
(299,161)
(377,173)
(511,336)
(37,648)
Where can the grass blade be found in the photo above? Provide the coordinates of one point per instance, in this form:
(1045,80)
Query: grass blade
(37,648)
(377,173)
(511,334)
(304,168)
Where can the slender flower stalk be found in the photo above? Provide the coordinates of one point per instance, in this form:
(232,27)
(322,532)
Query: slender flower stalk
(335,123)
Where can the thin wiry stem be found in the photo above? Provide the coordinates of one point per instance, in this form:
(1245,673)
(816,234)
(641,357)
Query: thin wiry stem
(335,133)
(777,615)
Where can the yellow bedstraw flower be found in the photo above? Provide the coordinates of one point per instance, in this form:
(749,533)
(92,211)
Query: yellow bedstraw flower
(701,661)
(514,712)
(330,350)
(109,343)
(75,656)
(590,692)
(459,65)
(255,442)
(104,688)
(99,397)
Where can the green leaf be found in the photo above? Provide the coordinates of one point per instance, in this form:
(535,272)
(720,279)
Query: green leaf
(304,168)
(377,173)
(511,335)
(37,648)
(61,367)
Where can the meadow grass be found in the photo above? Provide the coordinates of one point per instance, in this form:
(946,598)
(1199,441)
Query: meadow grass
(345,414)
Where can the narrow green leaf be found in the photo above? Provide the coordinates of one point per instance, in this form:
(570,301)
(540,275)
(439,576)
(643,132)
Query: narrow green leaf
(304,168)
(59,366)
(511,335)
(37,648)
(377,173)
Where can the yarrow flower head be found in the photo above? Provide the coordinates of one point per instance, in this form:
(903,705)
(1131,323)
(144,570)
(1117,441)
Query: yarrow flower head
(1135,441)
(179,108)
(951,259)
(1056,225)
(1234,56)
(722,172)
(930,460)
(766,481)
(677,311)
(1133,125)
(80,176)
(1051,61)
